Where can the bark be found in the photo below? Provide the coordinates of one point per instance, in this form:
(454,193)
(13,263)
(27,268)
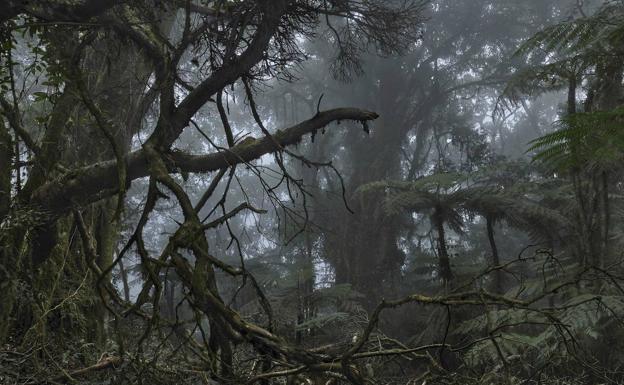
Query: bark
(445,264)
(170,294)
(97,181)
(56,11)
(609,95)
(606,215)
(497,284)
(572,85)
(113,77)
(577,179)
(124,280)
(168,130)
(6,167)
(7,262)
(363,245)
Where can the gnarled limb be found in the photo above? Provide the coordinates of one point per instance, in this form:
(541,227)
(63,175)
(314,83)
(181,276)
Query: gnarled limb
(100,180)
(56,10)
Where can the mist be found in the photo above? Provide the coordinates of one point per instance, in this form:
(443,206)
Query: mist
(311,192)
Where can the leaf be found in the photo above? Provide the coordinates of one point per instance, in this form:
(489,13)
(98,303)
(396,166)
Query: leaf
(321,321)
(40,96)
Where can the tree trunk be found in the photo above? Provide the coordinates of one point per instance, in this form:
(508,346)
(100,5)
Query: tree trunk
(6,168)
(115,79)
(362,246)
(445,263)
(7,262)
(606,212)
(123,273)
(497,283)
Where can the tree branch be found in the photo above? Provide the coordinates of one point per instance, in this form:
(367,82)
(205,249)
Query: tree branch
(166,131)
(100,180)
(57,11)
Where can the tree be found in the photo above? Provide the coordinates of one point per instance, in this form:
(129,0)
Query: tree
(448,198)
(424,100)
(156,226)
(582,52)
(104,66)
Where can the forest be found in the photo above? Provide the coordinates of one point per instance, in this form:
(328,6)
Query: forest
(311,192)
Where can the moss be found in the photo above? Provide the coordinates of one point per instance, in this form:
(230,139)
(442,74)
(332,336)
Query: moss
(247,142)
(279,134)
(8,288)
(6,156)
(7,263)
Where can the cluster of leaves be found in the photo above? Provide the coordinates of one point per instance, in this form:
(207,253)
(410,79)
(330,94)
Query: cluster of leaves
(566,51)
(460,196)
(591,140)
(571,330)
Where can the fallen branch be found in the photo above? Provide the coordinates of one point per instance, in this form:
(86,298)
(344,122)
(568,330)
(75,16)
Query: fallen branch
(103,364)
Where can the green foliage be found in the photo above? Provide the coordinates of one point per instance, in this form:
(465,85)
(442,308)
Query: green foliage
(592,141)
(542,78)
(456,196)
(322,321)
(550,337)
(593,33)
(571,317)
(552,340)
(21,219)
(566,51)
(439,194)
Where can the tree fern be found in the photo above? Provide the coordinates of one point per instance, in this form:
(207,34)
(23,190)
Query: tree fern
(544,337)
(541,78)
(566,51)
(599,32)
(572,316)
(457,194)
(586,140)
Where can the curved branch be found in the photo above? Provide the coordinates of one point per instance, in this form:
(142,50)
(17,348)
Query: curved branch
(100,180)
(57,11)
(168,131)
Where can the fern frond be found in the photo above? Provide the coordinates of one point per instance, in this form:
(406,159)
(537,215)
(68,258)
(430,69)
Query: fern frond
(587,140)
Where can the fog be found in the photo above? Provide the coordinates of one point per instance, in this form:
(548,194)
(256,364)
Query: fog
(311,192)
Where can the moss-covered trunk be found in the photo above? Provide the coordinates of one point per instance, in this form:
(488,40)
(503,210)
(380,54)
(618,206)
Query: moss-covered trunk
(7,262)
(115,79)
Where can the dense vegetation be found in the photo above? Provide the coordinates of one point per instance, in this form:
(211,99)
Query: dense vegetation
(311,192)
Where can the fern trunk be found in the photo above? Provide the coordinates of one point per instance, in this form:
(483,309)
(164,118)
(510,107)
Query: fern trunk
(606,217)
(497,284)
(445,263)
